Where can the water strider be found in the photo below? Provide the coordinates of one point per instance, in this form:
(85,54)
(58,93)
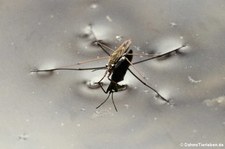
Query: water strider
(118,74)
(118,64)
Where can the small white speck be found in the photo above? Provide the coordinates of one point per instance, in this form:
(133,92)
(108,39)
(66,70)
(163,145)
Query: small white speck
(133,116)
(62,124)
(173,24)
(27,120)
(146,91)
(181,37)
(78,125)
(146,78)
(50,102)
(83,109)
(155,118)
(108,18)
(56,112)
(126,106)
(51,16)
(94,6)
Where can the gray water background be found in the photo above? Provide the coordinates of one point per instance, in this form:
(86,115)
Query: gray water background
(55,111)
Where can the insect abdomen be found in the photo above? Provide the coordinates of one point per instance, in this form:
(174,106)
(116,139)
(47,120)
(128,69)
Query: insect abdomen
(121,67)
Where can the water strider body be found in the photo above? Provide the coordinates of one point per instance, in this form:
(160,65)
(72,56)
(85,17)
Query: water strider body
(118,64)
(118,74)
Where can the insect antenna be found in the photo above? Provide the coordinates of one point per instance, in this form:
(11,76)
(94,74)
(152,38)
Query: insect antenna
(102,47)
(104,101)
(114,103)
(100,43)
(111,92)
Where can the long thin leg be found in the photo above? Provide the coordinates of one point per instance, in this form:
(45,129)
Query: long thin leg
(158,56)
(134,68)
(80,69)
(114,103)
(99,43)
(149,87)
(92,60)
(151,58)
(103,101)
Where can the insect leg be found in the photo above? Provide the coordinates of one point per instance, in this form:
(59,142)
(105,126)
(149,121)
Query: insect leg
(64,68)
(149,87)
(161,55)
(134,67)
(92,60)
(103,101)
